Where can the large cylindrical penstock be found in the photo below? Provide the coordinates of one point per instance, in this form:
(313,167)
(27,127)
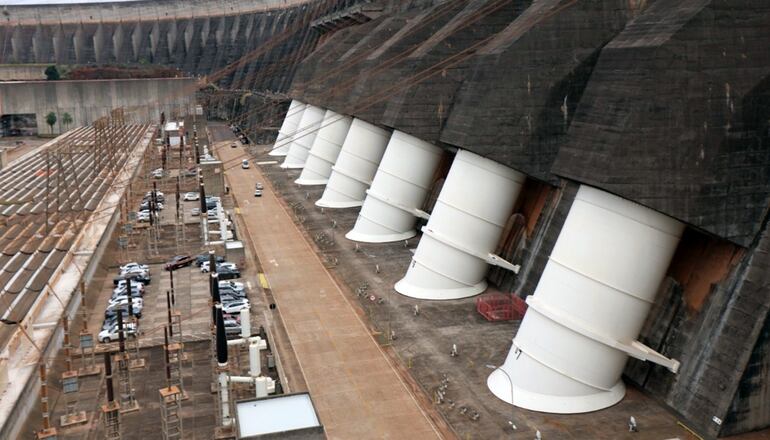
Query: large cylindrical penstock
(304,137)
(398,191)
(589,307)
(288,128)
(454,253)
(221,337)
(356,165)
(326,148)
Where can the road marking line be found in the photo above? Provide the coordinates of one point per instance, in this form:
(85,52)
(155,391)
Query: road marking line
(248,284)
(268,162)
(263,281)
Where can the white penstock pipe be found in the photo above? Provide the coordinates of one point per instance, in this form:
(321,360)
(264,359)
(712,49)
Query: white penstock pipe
(224,395)
(245,323)
(255,367)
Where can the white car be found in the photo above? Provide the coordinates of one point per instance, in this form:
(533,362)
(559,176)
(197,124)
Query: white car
(135,271)
(191,197)
(135,285)
(111,334)
(205,267)
(158,194)
(195,212)
(245,164)
(123,301)
(231,284)
(134,265)
(235,306)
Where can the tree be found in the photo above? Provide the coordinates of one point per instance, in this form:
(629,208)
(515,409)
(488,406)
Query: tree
(50,119)
(52,73)
(66,120)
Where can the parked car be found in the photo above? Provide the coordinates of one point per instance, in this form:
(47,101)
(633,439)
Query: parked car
(235,306)
(204,258)
(159,196)
(111,334)
(190,172)
(191,197)
(134,271)
(206,268)
(257,193)
(232,292)
(245,164)
(212,214)
(233,145)
(179,261)
(231,284)
(121,291)
(227,274)
(145,206)
(134,265)
(123,308)
(141,277)
(259,186)
(195,212)
(143,216)
(121,284)
(121,296)
(122,300)
(158,174)
(137,286)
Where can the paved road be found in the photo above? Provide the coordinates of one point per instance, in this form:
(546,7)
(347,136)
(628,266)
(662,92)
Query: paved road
(356,391)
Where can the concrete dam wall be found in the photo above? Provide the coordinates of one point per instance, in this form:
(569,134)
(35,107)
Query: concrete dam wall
(628,97)
(86,101)
(199,37)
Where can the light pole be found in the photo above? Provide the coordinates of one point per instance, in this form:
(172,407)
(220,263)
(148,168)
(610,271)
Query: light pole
(513,407)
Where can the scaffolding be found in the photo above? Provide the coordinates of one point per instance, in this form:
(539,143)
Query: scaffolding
(110,410)
(87,347)
(48,432)
(128,401)
(171,412)
(70,384)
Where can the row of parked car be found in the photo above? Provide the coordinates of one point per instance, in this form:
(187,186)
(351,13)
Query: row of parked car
(146,207)
(232,294)
(125,301)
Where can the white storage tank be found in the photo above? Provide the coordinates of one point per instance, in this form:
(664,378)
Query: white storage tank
(289,126)
(398,191)
(303,139)
(355,167)
(453,255)
(589,307)
(326,148)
